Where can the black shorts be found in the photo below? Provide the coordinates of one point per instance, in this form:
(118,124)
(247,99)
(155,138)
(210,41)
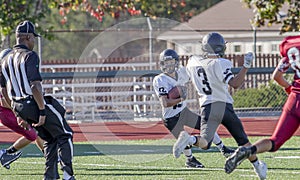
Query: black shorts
(214,114)
(186,117)
(55,123)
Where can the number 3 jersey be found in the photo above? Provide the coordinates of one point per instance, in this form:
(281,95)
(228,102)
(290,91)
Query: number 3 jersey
(210,77)
(162,84)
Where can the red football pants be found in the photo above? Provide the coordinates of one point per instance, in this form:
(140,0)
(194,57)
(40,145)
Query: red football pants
(9,120)
(288,122)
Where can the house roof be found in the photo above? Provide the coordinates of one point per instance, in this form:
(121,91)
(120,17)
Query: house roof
(229,17)
(226,15)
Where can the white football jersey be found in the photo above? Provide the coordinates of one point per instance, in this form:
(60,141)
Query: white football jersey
(182,76)
(162,84)
(210,77)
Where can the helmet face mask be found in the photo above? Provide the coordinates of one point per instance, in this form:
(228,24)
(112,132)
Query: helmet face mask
(169,61)
(169,66)
(214,43)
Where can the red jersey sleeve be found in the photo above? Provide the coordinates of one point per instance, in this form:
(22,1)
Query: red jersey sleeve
(283,65)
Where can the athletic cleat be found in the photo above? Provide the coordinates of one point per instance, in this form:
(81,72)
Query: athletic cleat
(227,152)
(181,143)
(236,159)
(261,170)
(71,178)
(193,163)
(7,166)
(6,158)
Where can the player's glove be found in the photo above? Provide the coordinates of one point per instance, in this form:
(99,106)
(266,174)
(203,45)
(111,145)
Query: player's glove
(248,59)
(183,92)
(182,76)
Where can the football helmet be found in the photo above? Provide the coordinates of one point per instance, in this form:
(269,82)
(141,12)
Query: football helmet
(294,59)
(214,43)
(168,61)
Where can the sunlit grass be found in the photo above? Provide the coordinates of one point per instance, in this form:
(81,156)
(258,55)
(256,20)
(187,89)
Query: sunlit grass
(152,159)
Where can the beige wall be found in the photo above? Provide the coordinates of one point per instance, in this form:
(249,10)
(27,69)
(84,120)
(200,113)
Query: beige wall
(266,43)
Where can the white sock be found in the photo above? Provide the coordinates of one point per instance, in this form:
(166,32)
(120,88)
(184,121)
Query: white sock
(220,145)
(66,175)
(188,153)
(255,163)
(1,152)
(216,139)
(192,140)
(218,142)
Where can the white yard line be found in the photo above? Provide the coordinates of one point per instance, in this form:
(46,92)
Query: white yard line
(276,171)
(287,157)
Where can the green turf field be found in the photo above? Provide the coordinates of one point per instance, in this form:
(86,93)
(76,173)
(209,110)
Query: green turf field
(147,159)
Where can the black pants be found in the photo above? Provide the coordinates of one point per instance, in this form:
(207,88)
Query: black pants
(214,114)
(186,117)
(56,133)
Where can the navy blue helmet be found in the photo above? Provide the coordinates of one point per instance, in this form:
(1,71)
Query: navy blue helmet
(168,60)
(214,43)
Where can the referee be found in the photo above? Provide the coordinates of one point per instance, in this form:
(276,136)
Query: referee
(20,80)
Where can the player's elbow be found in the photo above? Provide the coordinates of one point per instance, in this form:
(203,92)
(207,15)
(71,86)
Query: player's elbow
(277,76)
(234,84)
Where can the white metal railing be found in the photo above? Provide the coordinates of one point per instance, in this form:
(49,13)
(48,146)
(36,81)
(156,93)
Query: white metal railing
(68,92)
(130,65)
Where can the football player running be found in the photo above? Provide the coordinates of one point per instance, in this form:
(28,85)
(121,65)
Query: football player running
(289,120)
(211,74)
(175,113)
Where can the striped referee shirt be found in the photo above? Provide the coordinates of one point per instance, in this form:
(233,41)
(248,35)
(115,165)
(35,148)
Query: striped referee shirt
(18,69)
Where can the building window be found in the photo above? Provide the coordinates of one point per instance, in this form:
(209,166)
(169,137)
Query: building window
(259,48)
(188,49)
(274,47)
(237,48)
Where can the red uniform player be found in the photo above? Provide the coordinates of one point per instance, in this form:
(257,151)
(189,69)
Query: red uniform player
(289,120)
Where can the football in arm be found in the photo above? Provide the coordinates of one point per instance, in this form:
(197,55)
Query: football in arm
(174,93)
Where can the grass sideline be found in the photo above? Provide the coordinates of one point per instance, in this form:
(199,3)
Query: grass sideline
(152,159)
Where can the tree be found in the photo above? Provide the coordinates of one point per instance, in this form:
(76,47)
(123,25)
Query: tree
(14,11)
(272,12)
(180,10)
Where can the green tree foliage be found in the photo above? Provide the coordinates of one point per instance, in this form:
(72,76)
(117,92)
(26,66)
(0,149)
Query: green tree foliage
(67,42)
(14,11)
(179,10)
(271,12)
(54,18)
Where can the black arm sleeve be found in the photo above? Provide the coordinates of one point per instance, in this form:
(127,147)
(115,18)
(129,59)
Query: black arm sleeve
(2,78)
(32,67)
